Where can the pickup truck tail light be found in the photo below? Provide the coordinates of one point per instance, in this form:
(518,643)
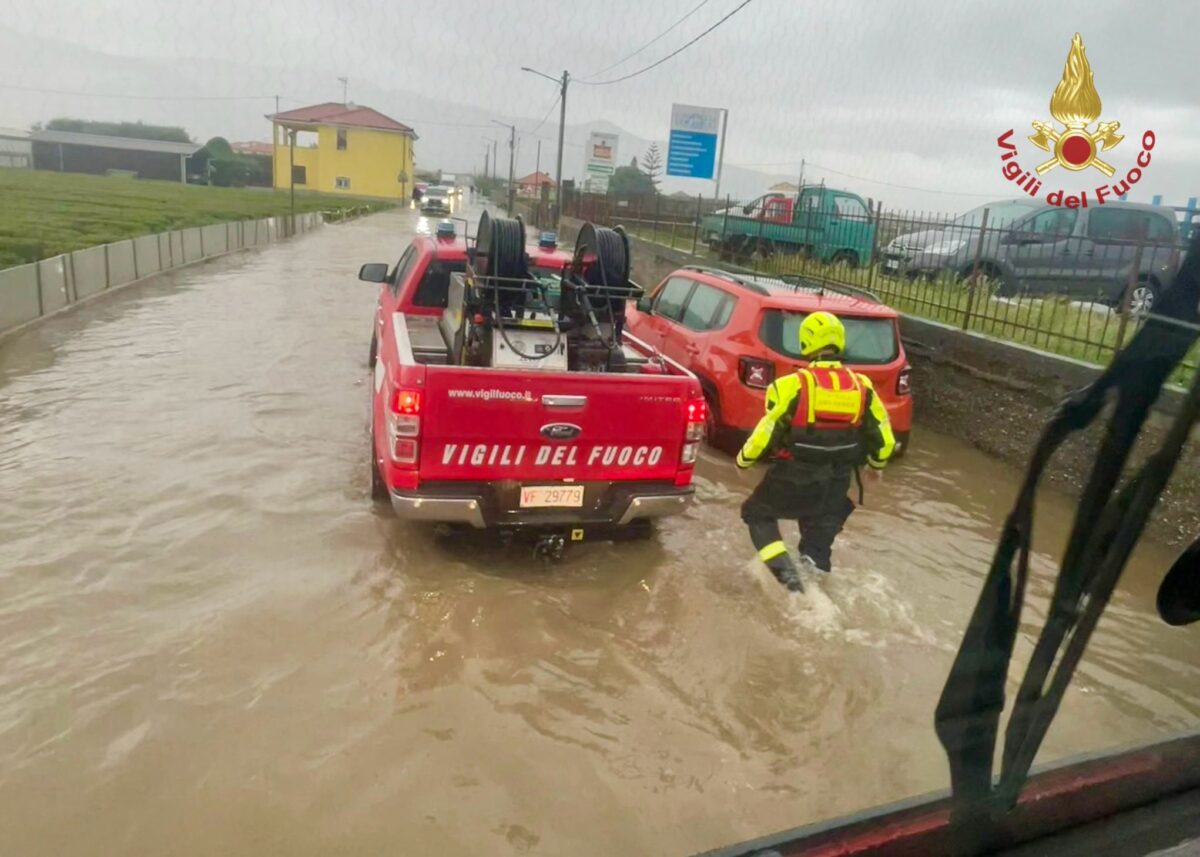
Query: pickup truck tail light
(756,373)
(904,382)
(697,413)
(404,426)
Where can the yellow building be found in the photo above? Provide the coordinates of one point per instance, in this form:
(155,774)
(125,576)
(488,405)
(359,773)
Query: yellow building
(343,148)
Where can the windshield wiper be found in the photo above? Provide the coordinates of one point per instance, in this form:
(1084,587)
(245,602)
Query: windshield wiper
(1108,522)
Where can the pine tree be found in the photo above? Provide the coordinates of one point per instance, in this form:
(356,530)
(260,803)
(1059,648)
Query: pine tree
(652,163)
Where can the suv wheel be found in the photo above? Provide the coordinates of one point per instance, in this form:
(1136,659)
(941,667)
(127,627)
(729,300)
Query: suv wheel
(1143,298)
(849,257)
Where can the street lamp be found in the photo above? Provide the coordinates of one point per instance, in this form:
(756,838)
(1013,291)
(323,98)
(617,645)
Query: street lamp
(512,147)
(562,125)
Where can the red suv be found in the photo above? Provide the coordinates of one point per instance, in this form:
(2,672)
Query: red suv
(739,333)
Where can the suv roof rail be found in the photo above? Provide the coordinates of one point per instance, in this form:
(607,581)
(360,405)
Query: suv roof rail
(728,275)
(798,281)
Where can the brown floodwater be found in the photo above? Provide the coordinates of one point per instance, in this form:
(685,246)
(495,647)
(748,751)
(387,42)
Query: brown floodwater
(212,643)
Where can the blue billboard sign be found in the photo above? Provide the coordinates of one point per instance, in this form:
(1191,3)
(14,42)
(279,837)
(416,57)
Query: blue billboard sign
(692,146)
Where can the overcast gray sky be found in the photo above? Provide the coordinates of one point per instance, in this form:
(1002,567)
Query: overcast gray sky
(872,94)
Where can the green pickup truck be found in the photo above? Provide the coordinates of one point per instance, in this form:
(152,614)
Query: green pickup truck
(826,224)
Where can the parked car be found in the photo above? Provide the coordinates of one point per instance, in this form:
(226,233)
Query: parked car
(1029,247)
(737,334)
(824,223)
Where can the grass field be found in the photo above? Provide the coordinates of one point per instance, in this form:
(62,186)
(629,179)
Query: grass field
(43,214)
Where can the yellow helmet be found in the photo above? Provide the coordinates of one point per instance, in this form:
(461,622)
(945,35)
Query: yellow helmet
(819,331)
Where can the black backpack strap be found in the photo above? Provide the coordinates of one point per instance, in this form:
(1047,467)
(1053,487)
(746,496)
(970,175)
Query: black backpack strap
(858,481)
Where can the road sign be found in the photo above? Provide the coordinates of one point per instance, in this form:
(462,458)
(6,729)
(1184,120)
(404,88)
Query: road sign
(692,148)
(600,160)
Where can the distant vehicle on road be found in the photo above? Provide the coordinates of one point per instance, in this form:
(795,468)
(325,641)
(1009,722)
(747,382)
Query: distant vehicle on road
(823,223)
(436,200)
(738,334)
(491,414)
(1030,247)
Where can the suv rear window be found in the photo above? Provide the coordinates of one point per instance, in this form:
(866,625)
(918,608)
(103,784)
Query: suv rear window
(434,288)
(868,340)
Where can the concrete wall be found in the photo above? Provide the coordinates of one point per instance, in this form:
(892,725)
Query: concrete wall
(20,301)
(54,280)
(997,396)
(32,291)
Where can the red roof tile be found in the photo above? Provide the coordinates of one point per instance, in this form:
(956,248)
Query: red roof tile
(333,113)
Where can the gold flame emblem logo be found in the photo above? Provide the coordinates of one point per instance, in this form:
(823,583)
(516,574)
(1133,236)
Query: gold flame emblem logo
(1076,105)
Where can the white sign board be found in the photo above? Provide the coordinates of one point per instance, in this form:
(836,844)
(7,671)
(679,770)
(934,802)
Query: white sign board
(600,160)
(692,148)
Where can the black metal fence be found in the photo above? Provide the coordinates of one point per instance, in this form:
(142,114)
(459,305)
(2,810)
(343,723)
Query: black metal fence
(1073,281)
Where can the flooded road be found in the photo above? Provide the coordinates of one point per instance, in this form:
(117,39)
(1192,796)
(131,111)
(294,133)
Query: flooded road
(212,643)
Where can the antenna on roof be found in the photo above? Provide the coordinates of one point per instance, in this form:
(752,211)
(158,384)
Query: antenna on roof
(345,84)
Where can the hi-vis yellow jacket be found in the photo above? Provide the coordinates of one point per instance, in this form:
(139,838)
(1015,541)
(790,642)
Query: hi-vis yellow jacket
(823,413)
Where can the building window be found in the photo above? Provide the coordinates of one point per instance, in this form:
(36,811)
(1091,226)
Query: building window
(341,139)
(299,175)
(341,183)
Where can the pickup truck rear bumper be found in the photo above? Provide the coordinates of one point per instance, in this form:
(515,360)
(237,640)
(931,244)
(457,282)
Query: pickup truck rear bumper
(483,505)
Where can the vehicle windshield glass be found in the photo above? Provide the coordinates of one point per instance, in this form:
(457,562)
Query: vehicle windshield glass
(999,213)
(434,288)
(868,340)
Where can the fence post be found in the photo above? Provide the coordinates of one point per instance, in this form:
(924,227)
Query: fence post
(974,283)
(1127,297)
(724,225)
(657,205)
(696,225)
(873,262)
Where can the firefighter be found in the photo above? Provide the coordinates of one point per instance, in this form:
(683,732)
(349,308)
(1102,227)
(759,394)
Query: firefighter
(822,423)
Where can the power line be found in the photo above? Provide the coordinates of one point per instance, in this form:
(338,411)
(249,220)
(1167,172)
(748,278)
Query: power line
(549,110)
(673,53)
(695,9)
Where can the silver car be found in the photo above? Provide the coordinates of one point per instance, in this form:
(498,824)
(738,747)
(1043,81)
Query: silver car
(1029,247)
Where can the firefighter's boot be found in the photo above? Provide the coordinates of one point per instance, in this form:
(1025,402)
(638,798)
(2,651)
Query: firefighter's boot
(785,572)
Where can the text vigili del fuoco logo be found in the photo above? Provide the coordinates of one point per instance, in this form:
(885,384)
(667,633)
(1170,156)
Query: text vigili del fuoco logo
(1076,145)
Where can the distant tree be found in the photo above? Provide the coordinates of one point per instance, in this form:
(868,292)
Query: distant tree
(630,181)
(652,163)
(137,130)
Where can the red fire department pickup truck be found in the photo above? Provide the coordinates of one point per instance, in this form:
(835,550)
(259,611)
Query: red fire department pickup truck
(535,432)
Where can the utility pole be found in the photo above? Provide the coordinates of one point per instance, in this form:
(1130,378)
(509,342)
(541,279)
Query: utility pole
(345,83)
(292,171)
(512,148)
(801,175)
(562,126)
(512,152)
(276,105)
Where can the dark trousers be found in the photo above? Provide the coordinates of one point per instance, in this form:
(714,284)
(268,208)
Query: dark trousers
(815,497)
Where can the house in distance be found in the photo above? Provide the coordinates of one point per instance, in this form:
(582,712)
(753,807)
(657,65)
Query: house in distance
(343,148)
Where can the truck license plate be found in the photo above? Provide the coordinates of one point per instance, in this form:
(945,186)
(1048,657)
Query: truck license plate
(542,496)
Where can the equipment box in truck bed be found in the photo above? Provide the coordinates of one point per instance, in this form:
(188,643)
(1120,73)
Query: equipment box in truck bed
(586,449)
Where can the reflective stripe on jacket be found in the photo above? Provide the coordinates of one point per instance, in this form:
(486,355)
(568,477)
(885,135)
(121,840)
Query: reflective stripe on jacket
(824,408)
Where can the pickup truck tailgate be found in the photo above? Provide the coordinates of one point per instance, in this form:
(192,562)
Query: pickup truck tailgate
(483,425)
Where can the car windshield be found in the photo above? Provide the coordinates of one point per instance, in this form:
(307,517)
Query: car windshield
(999,213)
(868,340)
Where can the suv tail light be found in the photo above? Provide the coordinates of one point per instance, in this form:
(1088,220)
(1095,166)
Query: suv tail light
(756,373)
(904,382)
(404,426)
